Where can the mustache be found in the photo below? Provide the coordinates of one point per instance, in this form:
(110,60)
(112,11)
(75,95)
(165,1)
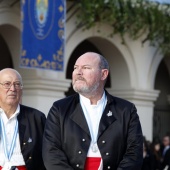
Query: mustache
(80,78)
(11,94)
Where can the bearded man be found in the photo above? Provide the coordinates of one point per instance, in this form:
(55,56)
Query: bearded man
(92,130)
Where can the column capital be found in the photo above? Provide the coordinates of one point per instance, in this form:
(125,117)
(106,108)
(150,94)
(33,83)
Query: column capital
(138,96)
(46,87)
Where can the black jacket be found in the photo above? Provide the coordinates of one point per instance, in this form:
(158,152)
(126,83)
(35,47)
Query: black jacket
(67,138)
(31,126)
(166,160)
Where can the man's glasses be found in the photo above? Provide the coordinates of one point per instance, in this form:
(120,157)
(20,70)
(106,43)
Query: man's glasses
(7,85)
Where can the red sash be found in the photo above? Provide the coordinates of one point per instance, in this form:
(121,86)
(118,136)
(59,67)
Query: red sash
(92,163)
(19,167)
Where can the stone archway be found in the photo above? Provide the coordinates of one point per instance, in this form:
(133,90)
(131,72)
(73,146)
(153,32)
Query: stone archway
(119,77)
(5,59)
(85,46)
(11,36)
(161,118)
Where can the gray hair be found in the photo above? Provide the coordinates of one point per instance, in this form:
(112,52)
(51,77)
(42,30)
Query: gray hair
(103,63)
(6,70)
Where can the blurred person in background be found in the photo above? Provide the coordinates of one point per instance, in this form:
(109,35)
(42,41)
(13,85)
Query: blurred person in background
(166,153)
(148,158)
(156,150)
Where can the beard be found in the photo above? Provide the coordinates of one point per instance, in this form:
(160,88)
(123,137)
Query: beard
(85,88)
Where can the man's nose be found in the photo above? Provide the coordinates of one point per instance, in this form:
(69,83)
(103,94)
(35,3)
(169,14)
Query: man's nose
(12,87)
(80,71)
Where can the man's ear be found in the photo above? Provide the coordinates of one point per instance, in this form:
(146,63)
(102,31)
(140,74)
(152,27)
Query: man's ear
(105,73)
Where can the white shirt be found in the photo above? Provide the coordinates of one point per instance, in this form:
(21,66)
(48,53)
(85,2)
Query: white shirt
(93,114)
(9,124)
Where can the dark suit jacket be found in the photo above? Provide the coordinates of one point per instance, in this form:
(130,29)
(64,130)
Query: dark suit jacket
(166,160)
(31,126)
(67,138)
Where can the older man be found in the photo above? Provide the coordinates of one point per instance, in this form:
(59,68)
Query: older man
(21,127)
(92,130)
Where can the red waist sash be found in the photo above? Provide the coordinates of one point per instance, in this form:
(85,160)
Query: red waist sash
(92,163)
(19,167)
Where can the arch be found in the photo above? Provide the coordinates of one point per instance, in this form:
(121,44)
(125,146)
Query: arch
(10,17)
(114,45)
(10,25)
(11,35)
(161,119)
(156,60)
(6,60)
(83,47)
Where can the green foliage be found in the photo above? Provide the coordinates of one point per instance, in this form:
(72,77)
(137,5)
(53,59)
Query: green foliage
(133,17)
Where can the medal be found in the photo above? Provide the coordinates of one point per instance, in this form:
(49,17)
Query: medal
(94,147)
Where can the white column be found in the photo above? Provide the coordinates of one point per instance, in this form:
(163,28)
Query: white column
(168,98)
(144,101)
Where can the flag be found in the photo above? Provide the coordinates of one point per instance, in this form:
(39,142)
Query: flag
(43,34)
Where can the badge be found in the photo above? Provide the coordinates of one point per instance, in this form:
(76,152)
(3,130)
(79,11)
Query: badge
(94,147)
(109,114)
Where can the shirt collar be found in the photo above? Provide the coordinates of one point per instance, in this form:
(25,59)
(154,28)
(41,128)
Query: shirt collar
(86,101)
(15,113)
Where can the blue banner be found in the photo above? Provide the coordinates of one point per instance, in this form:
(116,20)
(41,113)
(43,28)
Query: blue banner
(43,34)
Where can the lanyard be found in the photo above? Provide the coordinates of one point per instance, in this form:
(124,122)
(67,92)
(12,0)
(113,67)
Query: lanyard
(9,153)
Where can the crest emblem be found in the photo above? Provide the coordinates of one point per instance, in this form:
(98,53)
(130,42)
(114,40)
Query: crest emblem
(41,17)
(41,12)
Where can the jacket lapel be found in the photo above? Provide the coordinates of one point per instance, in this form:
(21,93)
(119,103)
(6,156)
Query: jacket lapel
(78,117)
(106,120)
(108,115)
(21,133)
(22,122)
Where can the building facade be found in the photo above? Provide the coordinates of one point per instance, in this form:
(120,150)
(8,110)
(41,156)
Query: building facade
(138,73)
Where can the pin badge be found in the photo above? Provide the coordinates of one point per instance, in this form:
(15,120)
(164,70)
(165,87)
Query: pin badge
(109,114)
(29,140)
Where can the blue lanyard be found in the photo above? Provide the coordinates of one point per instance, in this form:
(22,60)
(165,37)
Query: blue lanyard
(9,153)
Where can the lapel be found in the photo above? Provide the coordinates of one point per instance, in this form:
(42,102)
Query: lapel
(22,129)
(108,116)
(78,117)
(106,120)
(22,123)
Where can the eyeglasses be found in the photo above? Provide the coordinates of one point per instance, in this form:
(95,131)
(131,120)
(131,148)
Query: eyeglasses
(7,85)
